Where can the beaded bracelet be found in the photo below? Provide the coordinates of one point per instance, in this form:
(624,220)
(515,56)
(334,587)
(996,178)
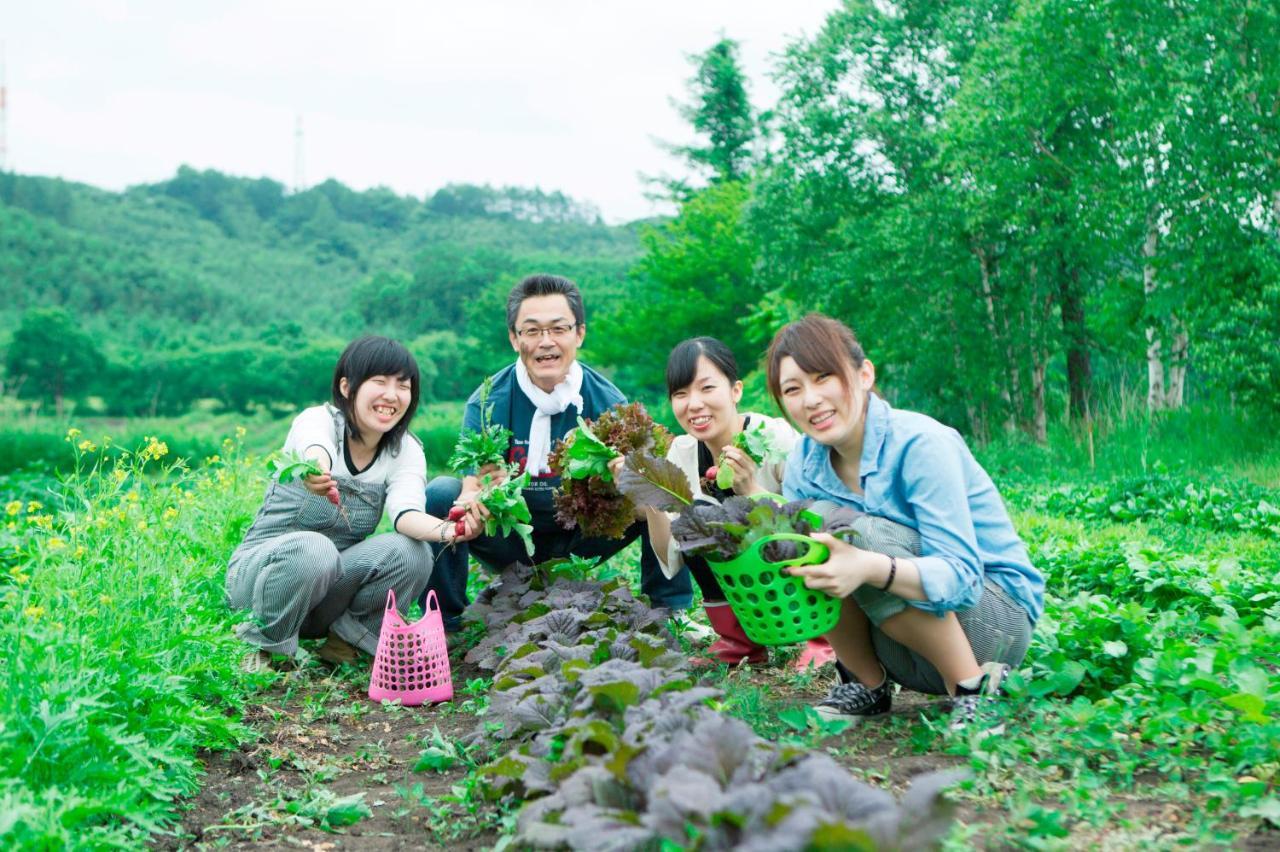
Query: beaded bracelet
(893,572)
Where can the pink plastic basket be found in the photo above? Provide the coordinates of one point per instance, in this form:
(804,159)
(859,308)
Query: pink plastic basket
(412,662)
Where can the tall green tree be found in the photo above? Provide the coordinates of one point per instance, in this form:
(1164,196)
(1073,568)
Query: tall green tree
(50,358)
(719,111)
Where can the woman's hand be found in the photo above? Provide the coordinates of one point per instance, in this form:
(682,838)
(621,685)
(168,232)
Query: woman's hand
(497,473)
(323,485)
(744,471)
(471,507)
(847,567)
(464,530)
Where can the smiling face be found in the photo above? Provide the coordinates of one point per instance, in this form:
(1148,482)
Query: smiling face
(547,338)
(826,406)
(380,403)
(707,407)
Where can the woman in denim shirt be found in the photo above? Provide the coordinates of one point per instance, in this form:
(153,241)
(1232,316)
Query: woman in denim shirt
(947,615)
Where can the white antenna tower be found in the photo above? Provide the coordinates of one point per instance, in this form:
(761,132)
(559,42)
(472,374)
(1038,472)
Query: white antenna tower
(299,181)
(4,134)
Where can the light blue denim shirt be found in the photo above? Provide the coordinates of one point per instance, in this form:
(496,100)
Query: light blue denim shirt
(920,473)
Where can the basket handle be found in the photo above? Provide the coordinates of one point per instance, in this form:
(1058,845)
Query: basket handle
(391,601)
(432,603)
(816,553)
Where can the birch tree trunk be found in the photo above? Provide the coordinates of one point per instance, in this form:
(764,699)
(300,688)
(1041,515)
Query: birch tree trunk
(1177,373)
(1011,388)
(1155,361)
(1040,421)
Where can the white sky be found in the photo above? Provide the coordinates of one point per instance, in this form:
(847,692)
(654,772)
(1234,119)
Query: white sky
(564,94)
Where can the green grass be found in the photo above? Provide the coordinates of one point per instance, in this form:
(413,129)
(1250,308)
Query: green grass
(1151,683)
(119,661)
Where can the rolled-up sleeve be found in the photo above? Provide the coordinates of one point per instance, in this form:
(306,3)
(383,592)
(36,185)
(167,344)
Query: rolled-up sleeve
(936,487)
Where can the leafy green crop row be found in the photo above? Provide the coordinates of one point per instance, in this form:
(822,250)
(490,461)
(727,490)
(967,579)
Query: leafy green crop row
(612,746)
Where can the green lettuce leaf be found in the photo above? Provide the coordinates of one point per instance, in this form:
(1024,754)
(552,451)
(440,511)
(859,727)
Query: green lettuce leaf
(586,455)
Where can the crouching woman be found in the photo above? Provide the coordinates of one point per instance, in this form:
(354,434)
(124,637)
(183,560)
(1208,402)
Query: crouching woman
(309,565)
(952,619)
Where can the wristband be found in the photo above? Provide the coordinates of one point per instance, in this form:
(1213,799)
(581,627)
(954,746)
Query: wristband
(893,572)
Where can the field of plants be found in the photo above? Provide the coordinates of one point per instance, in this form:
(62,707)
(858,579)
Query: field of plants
(1148,713)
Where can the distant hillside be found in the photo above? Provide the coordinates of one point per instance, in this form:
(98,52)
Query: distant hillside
(207,264)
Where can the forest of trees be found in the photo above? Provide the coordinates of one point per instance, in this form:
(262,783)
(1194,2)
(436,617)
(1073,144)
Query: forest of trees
(213,287)
(1025,208)
(1021,207)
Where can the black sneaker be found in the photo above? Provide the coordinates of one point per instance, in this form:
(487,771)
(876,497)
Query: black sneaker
(968,703)
(854,702)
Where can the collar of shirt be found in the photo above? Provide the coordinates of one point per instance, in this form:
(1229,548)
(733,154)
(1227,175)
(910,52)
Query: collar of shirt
(821,472)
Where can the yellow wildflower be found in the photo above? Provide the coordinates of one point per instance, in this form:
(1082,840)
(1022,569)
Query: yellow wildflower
(170,513)
(119,474)
(132,497)
(13,507)
(213,459)
(72,434)
(18,577)
(142,525)
(240,431)
(156,449)
(44,522)
(33,612)
(34,506)
(104,599)
(55,543)
(80,552)
(87,446)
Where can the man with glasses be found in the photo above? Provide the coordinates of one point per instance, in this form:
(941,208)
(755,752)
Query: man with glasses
(539,398)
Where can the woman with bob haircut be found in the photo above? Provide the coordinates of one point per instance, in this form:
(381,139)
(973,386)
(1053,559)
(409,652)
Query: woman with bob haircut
(947,616)
(310,565)
(704,391)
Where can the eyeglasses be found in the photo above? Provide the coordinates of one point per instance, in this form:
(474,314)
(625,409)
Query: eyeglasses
(557,332)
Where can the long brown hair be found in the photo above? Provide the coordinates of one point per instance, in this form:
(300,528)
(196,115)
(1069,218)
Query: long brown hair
(819,344)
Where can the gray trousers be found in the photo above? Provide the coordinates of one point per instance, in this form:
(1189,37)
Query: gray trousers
(305,569)
(998,629)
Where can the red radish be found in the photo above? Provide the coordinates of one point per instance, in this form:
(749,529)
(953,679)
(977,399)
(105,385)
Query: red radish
(459,529)
(457,513)
(332,495)
(711,472)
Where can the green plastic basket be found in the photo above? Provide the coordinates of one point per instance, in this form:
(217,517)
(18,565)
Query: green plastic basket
(774,608)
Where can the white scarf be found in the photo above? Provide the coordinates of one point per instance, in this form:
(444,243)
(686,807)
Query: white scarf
(568,392)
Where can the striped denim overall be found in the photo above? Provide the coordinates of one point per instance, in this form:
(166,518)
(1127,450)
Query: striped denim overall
(305,568)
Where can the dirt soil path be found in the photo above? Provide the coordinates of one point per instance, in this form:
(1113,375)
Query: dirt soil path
(321,739)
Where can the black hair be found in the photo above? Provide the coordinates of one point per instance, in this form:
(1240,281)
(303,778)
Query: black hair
(545,285)
(682,363)
(375,356)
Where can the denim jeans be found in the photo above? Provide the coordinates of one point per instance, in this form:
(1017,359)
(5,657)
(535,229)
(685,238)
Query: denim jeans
(449,579)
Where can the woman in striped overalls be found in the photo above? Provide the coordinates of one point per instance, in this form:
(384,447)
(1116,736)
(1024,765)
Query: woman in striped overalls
(310,566)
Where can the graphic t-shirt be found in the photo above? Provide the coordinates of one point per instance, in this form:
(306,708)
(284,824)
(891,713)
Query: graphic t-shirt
(511,408)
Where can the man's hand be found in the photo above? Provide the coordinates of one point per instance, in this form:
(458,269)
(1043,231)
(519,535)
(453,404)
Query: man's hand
(497,473)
